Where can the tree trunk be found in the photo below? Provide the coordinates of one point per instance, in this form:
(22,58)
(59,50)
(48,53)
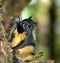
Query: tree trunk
(5,54)
(43,26)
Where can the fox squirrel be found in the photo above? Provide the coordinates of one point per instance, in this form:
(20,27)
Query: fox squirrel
(23,42)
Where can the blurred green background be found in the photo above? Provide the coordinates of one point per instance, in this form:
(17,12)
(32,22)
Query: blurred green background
(47,33)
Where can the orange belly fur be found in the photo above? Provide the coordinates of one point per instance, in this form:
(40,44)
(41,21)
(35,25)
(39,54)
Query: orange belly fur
(25,51)
(18,38)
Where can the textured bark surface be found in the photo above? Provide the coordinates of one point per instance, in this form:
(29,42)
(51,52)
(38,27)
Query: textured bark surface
(5,54)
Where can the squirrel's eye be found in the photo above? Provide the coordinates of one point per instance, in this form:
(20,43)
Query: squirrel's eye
(29,26)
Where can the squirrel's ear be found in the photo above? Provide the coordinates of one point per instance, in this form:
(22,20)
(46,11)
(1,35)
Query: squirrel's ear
(30,17)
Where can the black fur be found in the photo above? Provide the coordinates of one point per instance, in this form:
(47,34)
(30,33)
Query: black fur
(29,27)
(29,40)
